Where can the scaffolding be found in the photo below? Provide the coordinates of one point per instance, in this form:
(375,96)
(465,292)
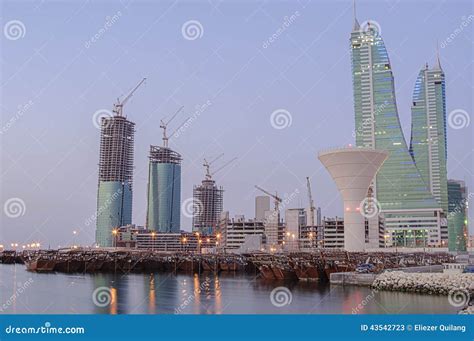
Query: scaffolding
(116,149)
(164,155)
(208,206)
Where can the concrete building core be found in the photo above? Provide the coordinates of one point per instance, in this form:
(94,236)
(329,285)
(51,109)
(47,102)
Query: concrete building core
(353,170)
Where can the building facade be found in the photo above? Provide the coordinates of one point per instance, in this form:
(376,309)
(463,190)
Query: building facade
(428,144)
(457,215)
(115,191)
(262,205)
(235,230)
(404,196)
(164,190)
(208,205)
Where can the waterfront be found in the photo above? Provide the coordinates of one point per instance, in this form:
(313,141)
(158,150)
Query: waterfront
(168,293)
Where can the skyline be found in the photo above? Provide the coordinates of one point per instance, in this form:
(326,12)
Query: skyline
(256,159)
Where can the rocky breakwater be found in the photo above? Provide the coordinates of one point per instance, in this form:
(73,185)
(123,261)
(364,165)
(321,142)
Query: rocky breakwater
(458,287)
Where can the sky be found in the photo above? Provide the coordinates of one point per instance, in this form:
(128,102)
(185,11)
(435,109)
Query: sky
(266,82)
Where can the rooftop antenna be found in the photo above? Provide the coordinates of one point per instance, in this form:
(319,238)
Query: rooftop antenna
(118,107)
(356,26)
(164,126)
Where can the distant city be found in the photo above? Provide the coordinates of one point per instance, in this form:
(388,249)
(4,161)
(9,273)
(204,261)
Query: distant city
(396,194)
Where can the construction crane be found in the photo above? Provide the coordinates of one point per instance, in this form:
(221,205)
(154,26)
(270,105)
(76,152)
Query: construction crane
(311,202)
(208,164)
(164,126)
(118,107)
(275,197)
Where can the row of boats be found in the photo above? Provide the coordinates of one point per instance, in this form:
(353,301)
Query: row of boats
(307,266)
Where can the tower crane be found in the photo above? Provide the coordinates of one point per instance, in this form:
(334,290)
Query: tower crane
(275,197)
(164,126)
(311,202)
(118,107)
(208,164)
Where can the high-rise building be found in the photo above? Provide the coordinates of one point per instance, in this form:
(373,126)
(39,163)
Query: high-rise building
(428,145)
(262,204)
(164,190)
(114,194)
(208,205)
(457,215)
(409,208)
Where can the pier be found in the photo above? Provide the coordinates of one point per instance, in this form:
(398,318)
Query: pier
(318,265)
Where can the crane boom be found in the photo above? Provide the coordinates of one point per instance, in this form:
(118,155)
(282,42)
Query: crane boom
(277,199)
(118,107)
(311,202)
(164,126)
(207,165)
(224,165)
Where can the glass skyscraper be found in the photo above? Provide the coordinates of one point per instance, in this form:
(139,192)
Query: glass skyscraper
(428,145)
(457,216)
(411,212)
(164,190)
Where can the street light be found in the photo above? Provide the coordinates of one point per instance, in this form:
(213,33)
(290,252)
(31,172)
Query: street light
(153,234)
(114,232)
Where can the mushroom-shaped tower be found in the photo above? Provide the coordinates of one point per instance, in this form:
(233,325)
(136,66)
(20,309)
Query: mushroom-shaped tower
(353,169)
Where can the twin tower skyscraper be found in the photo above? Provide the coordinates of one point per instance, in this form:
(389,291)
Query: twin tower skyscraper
(115,190)
(411,187)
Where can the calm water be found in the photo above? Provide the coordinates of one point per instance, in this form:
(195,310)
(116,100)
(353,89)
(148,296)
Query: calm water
(33,293)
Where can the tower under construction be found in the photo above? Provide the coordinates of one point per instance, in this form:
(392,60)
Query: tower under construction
(164,190)
(208,201)
(164,186)
(115,191)
(208,205)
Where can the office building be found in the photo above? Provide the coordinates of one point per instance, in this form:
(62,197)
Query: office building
(410,209)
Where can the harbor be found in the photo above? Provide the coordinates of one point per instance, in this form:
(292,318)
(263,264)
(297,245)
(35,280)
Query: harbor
(304,266)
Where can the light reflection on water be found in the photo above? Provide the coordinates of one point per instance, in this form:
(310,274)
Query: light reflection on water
(167,293)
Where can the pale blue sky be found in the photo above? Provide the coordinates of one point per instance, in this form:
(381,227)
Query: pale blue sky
(50,152)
